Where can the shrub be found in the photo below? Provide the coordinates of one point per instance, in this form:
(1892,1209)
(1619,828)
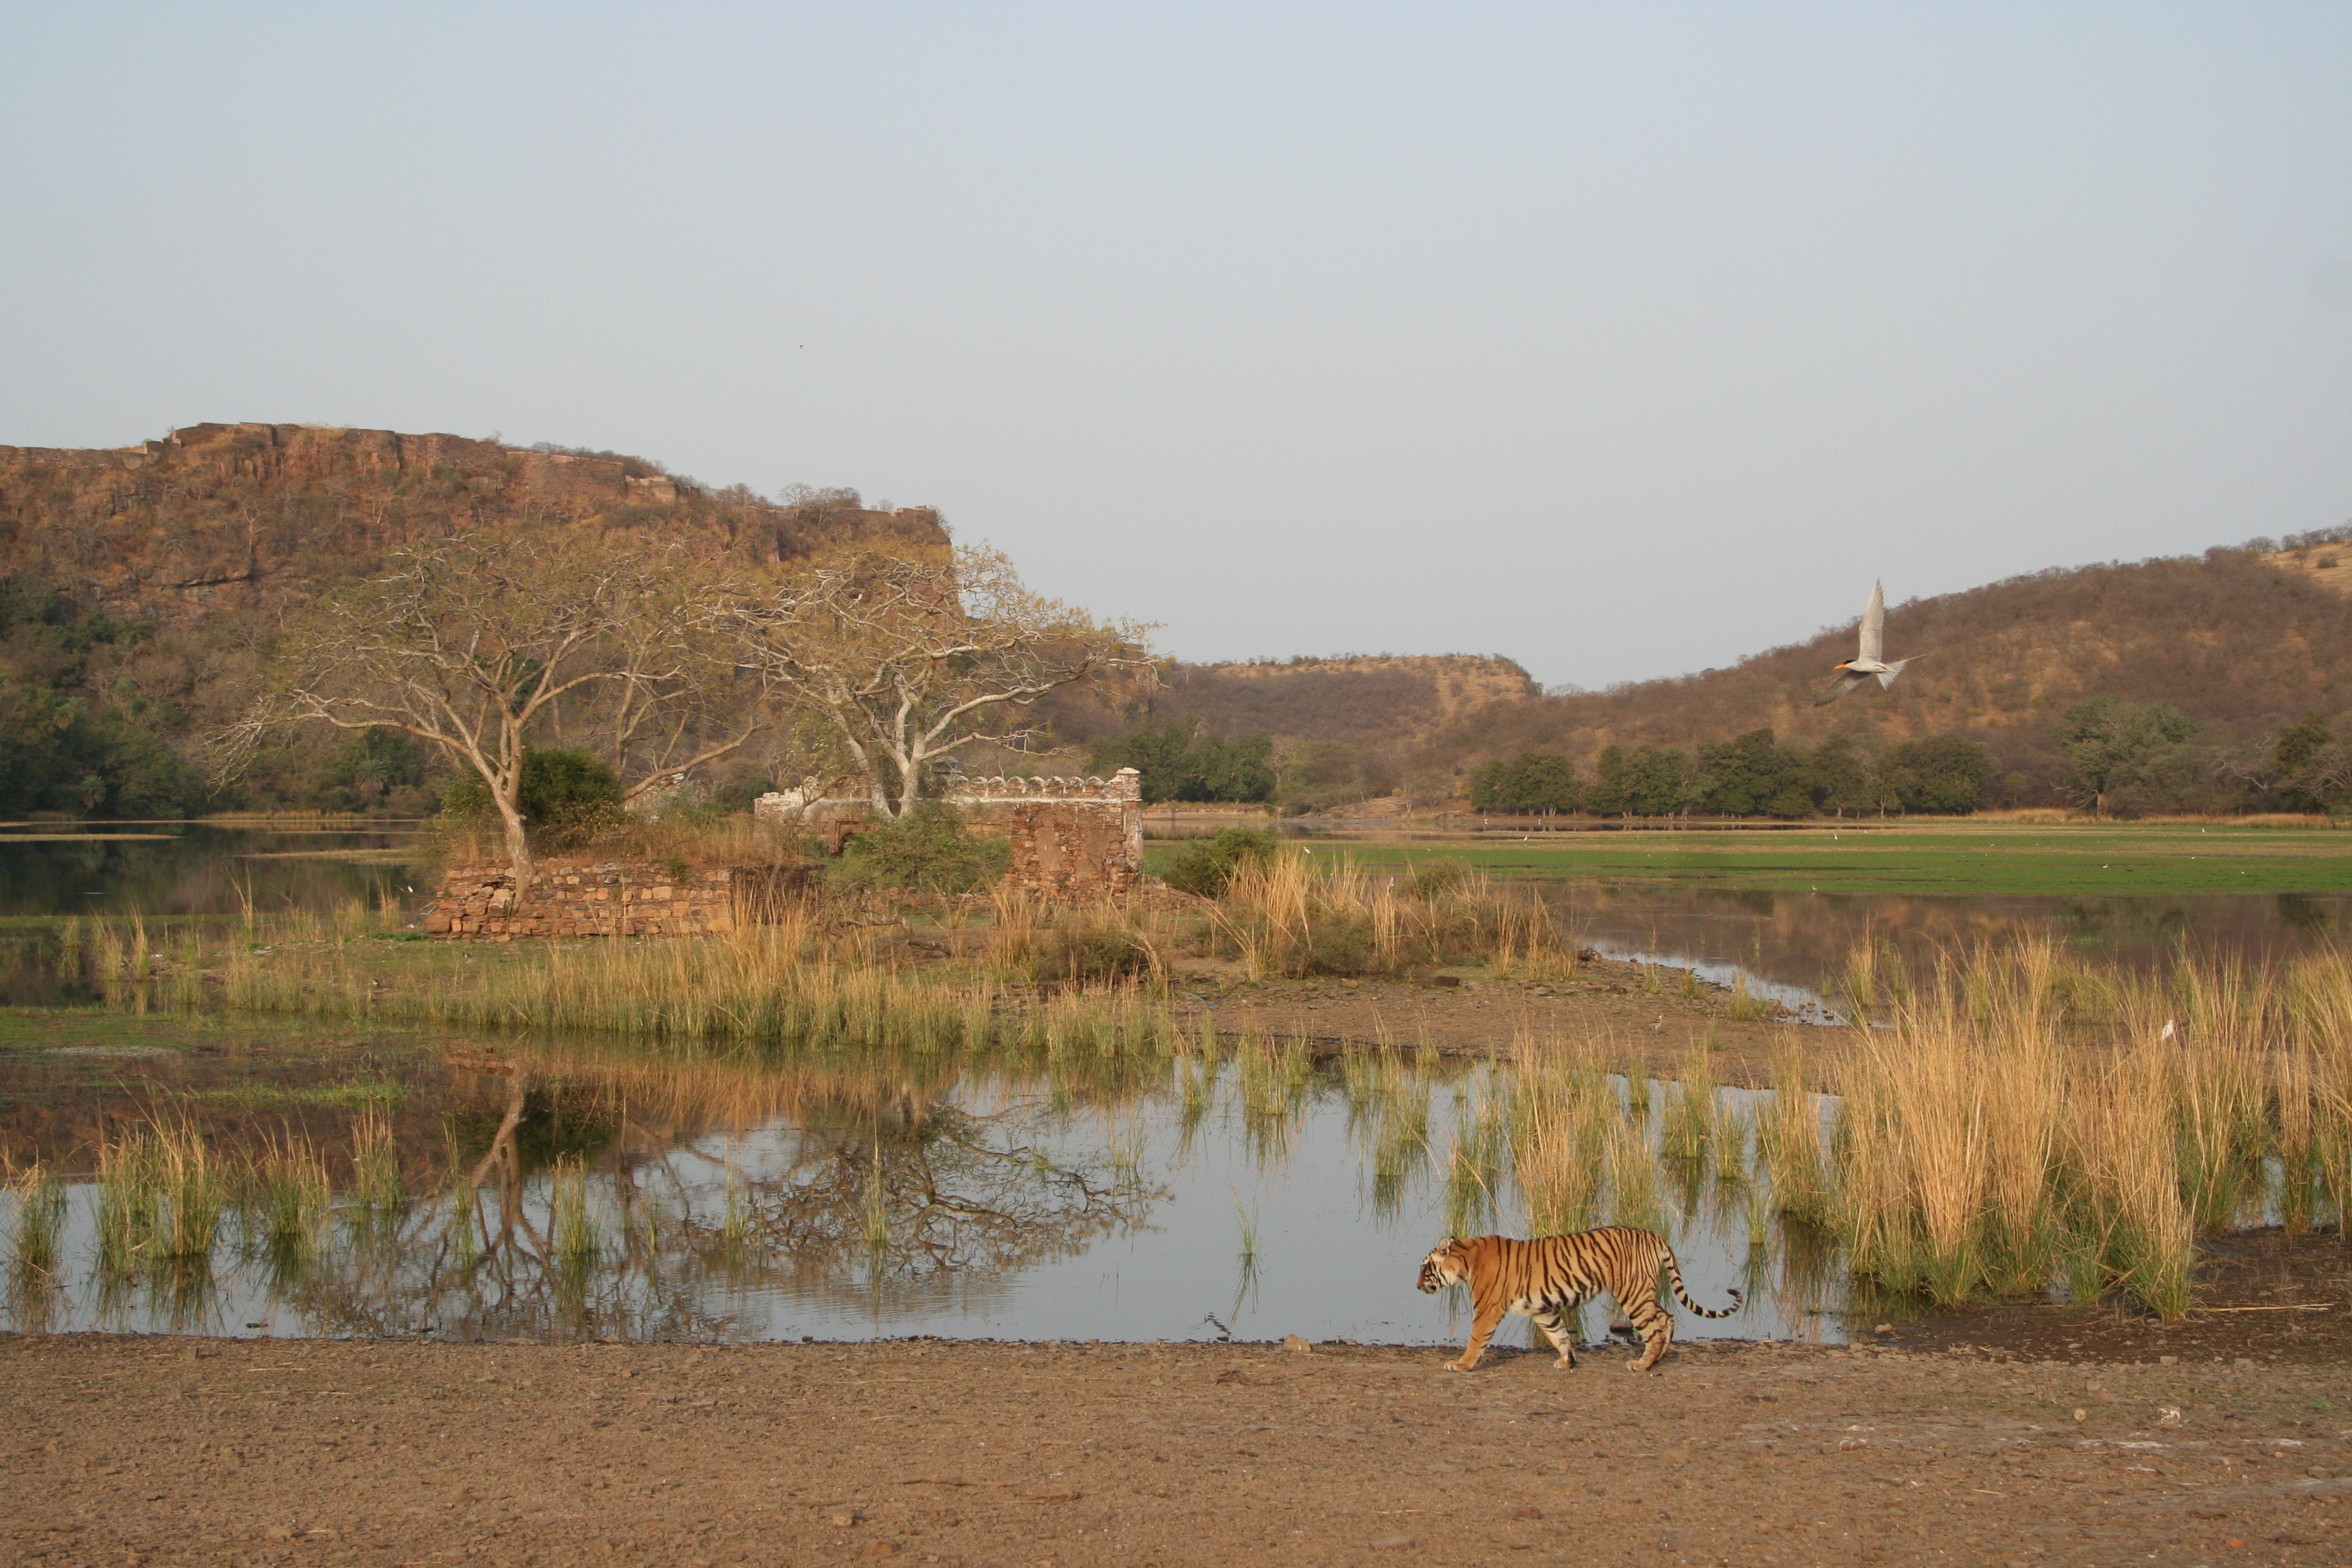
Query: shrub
(1095,954)
(569,798)
(1340,941)
(1436,878)
(926,850)
(1207,865)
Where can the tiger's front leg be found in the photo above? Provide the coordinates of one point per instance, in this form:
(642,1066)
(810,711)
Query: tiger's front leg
(1482,1324)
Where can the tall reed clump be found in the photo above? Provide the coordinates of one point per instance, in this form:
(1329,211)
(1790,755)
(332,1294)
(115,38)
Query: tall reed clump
(774,985)
(1292,915)
(1692,1118)
(2215,1059)
(40,1203)
(287,1197)
(2320,1003)
(377,1191)
(1978,1152)
(571,1235)
(2131,1225)
(129,1204)
(193,1181)
(1790,1145)
(1474,1163)
(1565,1114)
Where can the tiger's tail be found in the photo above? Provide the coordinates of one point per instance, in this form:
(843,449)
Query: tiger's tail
(1674,1273)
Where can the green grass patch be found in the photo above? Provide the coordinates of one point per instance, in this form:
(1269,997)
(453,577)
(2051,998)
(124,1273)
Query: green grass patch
(1994,858)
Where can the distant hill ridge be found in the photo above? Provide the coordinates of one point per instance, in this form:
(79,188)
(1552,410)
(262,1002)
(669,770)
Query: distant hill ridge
(2246,643)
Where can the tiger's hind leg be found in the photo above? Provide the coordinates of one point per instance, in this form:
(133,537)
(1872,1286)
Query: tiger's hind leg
(1561,1332)
(1656,1327)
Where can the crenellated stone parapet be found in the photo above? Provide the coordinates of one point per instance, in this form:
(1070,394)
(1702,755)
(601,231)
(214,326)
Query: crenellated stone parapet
(1123,786)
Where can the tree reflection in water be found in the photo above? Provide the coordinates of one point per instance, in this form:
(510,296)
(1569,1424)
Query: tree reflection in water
(859,1200)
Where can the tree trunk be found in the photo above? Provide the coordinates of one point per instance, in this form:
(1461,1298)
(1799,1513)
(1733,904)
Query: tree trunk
(518,849)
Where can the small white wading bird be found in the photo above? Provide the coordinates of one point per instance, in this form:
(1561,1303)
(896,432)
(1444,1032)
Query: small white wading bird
(1852,672)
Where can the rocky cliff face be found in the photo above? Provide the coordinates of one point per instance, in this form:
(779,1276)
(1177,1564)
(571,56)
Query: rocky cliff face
(246,518)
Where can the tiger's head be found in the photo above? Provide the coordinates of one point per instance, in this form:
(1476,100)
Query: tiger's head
(1448,1265)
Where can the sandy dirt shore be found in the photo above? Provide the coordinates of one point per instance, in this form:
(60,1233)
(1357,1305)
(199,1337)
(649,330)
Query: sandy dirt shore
(122,1450)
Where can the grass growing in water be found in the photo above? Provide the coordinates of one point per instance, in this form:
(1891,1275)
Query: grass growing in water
(40,1203)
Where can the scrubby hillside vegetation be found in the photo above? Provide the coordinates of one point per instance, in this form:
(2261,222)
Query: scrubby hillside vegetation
(1304,733)
(2192,671)
(2214,683)
(139,586)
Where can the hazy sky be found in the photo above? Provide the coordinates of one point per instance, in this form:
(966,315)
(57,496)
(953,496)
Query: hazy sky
(1624,339)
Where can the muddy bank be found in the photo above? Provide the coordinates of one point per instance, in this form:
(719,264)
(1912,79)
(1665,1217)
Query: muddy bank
(1651,1015)
(130,1450)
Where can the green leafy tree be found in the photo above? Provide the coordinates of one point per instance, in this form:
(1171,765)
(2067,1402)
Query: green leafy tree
(65,746)
(1754,776)
(2310,767)
(2104,736)
(1641,781)
(1179,763)
(1838,776)
(1944,775)
(367,769)
(1531,784)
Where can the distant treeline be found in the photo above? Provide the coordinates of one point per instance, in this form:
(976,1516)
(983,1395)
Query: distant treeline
(1753,776)
(2126,759)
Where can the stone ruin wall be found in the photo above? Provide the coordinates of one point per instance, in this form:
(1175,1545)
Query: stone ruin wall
(1071,838)
(610,898)
(1076,837)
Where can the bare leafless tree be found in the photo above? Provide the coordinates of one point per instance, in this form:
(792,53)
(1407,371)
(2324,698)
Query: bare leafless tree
(912,656)
(469,642)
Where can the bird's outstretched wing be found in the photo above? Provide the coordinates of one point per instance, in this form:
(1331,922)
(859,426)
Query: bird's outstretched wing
(1874,624)
(1886,677)
(1845,683)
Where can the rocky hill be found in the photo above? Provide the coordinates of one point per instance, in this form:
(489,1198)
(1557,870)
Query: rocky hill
(237,519)
(137,585)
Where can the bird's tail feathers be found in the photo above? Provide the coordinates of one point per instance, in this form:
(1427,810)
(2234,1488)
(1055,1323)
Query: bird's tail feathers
(1886,677)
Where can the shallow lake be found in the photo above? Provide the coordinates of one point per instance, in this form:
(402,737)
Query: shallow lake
(1251,1196)
(490,1188)
(176,868)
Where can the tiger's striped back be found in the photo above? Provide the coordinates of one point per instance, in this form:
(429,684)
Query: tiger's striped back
(1549,1278)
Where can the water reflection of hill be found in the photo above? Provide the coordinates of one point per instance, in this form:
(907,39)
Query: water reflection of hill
(194,869)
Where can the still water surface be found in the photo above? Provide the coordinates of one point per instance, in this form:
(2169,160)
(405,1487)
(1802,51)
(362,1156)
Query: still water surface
(1198,1200)
(576,1196)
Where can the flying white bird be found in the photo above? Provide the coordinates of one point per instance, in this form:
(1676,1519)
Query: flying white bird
(1852,672)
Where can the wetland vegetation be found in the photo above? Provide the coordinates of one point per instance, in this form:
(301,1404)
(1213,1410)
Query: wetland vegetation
(908,1114)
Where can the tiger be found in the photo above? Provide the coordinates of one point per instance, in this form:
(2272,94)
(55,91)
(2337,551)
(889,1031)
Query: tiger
(1549,1278)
